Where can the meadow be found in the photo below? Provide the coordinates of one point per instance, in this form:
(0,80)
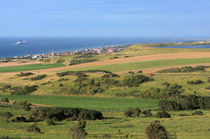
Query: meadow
(29,67)
(55,91)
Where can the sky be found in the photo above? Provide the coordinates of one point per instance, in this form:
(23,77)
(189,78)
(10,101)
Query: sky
(139,18)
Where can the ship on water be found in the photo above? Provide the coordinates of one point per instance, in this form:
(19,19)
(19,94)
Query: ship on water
(21,42)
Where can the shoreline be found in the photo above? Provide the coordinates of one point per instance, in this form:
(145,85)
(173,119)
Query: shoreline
(107,49)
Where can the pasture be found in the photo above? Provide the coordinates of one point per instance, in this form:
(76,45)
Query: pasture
(29,67)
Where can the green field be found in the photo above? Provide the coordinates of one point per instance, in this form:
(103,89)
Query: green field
(95,103)
(146,64)
(29,67)
(115,124)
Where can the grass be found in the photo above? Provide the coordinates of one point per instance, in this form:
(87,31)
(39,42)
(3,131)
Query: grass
(116,125)
(95,103)
(29,67)
(146,64)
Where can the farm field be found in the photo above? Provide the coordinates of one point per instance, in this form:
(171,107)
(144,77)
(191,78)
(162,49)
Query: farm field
(111,86)
(28,67)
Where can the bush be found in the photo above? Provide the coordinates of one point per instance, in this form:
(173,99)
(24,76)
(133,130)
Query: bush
(5,100)
(23,91)
(20,119)
(80,61)
(7,115)
(33,128)
(147,113)
(140,71)
(25,74)
(169,105)
(50,121)
(135,80)
(39,77)
(197,113)
(166,84)
(25,105)
(195,82)
(78,132)
(184,69)
(110,75)
(132,112)
(156,131)
(163,114)
(40,114)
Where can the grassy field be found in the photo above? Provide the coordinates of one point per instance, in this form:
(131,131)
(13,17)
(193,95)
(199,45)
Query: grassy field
(115,125)
(95,103)
(146,64)
(29,67)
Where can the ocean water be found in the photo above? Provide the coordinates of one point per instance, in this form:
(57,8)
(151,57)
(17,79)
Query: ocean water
(187,46)
(40,45)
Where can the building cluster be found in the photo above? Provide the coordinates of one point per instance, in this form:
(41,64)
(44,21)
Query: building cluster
(103,50)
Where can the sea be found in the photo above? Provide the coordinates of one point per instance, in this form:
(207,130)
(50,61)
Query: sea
(44,45)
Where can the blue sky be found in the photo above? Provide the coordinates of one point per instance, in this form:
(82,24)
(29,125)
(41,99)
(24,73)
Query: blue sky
(141,18)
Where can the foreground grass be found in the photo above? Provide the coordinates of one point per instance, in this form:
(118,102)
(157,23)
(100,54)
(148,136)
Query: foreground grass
(146,64)
(115,125)
(95,103)
(29,67)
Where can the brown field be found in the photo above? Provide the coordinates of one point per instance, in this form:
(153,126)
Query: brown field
(129,60)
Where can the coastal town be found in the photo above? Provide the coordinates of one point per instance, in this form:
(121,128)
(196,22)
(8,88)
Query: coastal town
(102,50)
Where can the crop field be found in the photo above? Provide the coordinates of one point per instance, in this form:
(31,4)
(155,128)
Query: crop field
(146,64)
(96,103)
(29,67)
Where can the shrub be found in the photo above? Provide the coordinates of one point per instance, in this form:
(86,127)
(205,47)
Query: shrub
(25,74)
(110,75)
(39,77)
(132,112)
(169,105)
(184,69)
(33,128)
(79,61)
(5,100)
(23,91)
(197,113)
(50,121)
(19,119)
(25,105)
(135,80)
(166,84)
(40,114)
(163,114)
(195,82)
(147,113)
(183,114)
(78,132)
(140,71)
(156,131)
(7,115)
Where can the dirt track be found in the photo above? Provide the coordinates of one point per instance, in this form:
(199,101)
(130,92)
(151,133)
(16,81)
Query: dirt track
(132,60)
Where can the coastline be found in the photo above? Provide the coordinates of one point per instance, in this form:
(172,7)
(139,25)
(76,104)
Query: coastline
(108,49)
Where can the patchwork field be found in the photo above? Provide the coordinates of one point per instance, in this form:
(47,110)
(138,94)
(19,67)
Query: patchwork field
(111,85)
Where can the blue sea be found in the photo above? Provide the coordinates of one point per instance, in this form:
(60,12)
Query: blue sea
(40,45)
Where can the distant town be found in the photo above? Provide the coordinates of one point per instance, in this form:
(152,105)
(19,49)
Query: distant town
(102,50)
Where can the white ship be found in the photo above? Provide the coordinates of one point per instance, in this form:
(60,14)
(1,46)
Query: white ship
(21,42)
